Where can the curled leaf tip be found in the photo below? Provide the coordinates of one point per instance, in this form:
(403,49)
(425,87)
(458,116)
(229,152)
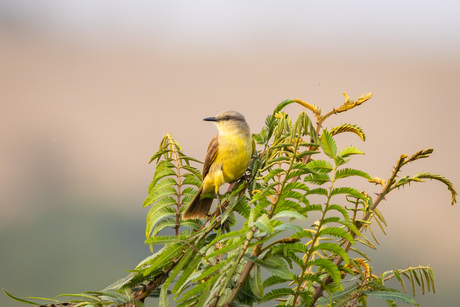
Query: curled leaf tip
(378,180)
(364,98)
(350,104)
(309,106)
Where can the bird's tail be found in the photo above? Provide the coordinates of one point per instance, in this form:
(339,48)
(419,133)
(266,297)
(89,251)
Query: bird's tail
(198,208)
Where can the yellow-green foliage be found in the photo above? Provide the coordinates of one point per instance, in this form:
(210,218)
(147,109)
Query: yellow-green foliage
(294,218)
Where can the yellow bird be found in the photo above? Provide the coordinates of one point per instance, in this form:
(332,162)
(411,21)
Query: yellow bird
(227,159)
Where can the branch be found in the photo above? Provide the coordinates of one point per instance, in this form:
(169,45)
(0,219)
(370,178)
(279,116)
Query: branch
(387,187)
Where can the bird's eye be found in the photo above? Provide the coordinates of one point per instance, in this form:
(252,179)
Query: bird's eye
(227,117)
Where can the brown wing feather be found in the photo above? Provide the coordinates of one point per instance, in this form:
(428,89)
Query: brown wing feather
(199,207)
(210,155)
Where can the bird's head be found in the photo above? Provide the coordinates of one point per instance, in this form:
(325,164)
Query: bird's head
(230,122)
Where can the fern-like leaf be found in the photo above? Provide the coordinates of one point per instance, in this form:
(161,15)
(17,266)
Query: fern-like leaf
(328,144)
(391,296)
(277,294)
(347,172)
(349,128)
(327,266)
(320,166)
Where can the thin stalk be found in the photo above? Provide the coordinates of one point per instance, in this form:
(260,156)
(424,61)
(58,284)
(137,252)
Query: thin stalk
(314,240)
(385,190)
(178,164)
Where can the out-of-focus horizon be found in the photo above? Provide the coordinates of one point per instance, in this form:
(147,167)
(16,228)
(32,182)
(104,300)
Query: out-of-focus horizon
(90,87)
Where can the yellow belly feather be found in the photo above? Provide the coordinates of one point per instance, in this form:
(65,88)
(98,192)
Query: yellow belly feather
(231,162)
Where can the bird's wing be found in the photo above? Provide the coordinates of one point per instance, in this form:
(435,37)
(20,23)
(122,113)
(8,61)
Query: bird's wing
(210,155)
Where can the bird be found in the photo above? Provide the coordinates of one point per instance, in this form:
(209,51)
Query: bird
(227,159)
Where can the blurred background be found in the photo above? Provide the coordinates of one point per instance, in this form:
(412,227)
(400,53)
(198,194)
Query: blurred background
(88,88)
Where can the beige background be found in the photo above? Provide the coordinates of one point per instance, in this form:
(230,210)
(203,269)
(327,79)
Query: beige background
(87,90)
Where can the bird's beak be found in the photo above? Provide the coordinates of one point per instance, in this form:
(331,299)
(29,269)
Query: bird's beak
(211,119)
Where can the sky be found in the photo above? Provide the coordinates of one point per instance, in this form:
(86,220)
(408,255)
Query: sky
(89,88)
(390,26)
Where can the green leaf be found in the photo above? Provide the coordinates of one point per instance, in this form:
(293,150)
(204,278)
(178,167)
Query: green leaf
(428,279)
(169,253)
(277,293)
(290,214)
(282,145)
(163,300)
(328,144)
(157,194)
(163,182)
(290,205)
(271,120)
(272,161)
(274,264)
(339,208)
(206,273)
(349,128)
(159,154)
(303,234)
(298,170)
(282,105)
(198,288)
(192,180)
(273,173)
(331,219)
(154,217)
(347,172)
(188,191)
(90,298)
(349,191)
(296,186)
(316,207)
(286,226)
(273,280)
(279,270)
(318,191)
(327,266)
(183,262)
(256,284)
(20,299)
(442,179)
(391,296)
(337,232)
(302,154)
(187,159)
(235,245)
(169,222)
(298,247)
(335,249)
(233,234)
(321,166)
(340,161)
(113,295)
(161,240)
(263,223)
(192,170)
(300,197)
(334,297)
(350,150)
(161,173)
(318,179)
(186,274)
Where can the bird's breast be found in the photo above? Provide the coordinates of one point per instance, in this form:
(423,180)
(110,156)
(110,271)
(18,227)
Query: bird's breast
(234,155)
